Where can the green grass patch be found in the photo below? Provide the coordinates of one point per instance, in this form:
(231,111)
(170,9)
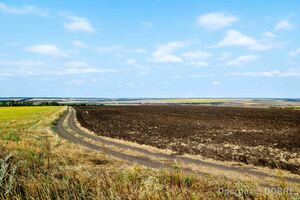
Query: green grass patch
(25,113)
(10,136)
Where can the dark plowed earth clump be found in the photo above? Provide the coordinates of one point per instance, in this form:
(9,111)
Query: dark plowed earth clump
(260,136)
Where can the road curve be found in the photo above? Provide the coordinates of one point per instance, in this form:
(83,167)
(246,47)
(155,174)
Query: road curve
(70,115)
(62,132)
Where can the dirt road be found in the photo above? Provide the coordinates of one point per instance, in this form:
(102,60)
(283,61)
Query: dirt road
(68,128)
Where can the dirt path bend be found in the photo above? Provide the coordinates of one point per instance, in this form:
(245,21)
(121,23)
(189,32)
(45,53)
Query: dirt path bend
(62,132)
(149,158)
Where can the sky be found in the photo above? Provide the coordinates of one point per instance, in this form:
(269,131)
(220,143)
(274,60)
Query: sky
(154,48)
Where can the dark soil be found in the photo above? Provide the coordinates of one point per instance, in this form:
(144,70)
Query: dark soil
(260,136)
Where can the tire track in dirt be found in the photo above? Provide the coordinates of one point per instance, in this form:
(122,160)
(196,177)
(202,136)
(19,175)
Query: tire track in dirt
(131,158)
(173,158)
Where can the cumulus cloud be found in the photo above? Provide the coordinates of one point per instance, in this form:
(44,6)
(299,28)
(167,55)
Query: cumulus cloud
(79,44)
(216,20)
(295,53)
(79,24)
(235,38)
(269,34)
(196,55)
(47,49)
(242,60)
(216,83)
(196,58)
(164,53)
(23,10)
(283,25)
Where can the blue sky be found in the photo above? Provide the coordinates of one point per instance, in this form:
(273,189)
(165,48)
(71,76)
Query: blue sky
(158,48)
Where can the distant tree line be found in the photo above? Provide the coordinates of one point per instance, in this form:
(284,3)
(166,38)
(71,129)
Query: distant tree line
(27,103)
(46,103)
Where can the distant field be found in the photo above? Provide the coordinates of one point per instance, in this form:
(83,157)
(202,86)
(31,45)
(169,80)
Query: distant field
(196,100)
(15,121)
(296,108)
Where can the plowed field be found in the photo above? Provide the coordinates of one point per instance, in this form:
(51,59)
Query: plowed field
(259,136)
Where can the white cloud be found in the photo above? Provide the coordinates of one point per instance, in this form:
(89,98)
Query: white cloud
(79,44)
(216,21)
(75,23)
(147,24)
(11,68)
(283,25)
(216,83)
(196,55)
(295,53)
(198,63)
(132,62)
(235,38)
(47,49)
(274,73)
(38,68)
(21,67)
(164,53)
(136,66)
(269,34)
(242,60)
(23,10)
